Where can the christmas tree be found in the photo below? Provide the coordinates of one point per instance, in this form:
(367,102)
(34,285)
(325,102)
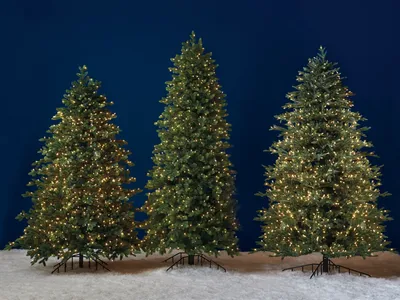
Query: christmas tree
(323,190)
(190,205)
(80,205)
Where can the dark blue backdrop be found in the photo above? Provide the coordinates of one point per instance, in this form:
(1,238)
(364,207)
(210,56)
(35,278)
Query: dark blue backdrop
(259,45)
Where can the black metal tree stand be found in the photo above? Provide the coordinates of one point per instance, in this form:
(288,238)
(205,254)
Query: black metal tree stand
(196,259)
(96,260)
(326,266)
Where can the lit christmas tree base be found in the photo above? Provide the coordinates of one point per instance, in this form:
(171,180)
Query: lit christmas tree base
(197,259)
(326,266)
(97,261)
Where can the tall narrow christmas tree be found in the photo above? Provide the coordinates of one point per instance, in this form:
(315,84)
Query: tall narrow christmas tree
(191,205)
(323,190)
(80,204)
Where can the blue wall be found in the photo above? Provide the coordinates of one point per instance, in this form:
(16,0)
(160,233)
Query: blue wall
(259,45)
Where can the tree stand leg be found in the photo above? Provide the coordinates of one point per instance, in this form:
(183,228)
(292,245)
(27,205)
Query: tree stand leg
(191,260)
(80,256)
(326,266)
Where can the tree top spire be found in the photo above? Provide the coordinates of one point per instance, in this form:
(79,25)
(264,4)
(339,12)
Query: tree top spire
(322,52)
(193,35)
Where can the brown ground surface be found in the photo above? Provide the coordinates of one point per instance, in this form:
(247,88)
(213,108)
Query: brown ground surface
(385,265)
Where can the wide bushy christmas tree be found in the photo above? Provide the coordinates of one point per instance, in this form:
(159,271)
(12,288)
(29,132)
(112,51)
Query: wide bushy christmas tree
(323,190)
(191,203)
(80,202)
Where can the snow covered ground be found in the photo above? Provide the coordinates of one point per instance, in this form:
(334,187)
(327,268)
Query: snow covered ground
(140,278)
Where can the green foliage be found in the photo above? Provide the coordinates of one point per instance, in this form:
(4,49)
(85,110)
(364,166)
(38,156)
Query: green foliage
(80,204)
(190,205)
(322,189)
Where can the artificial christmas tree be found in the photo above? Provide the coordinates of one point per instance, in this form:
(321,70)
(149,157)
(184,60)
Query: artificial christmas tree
(190,205)
(322,189)
(80,204)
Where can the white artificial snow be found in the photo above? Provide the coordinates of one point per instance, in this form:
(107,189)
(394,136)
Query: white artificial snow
(19,280)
